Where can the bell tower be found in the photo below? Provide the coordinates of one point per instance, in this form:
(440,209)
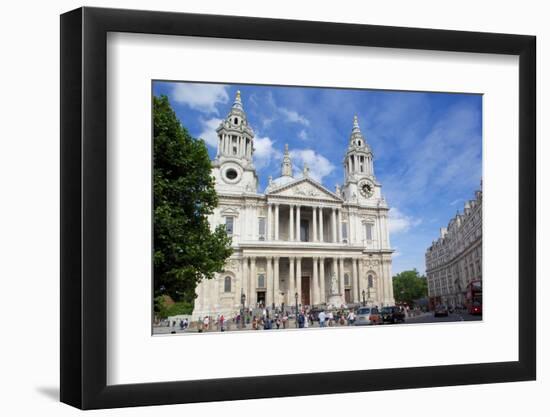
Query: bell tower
(359,183)
(233,167)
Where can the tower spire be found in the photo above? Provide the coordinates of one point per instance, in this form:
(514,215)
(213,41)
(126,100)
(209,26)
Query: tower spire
(238,103)
(286,165)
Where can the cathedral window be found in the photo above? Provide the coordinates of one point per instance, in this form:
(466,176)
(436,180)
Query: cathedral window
(261,228)
(368,231)
(229,222)
(345,232)
(227,284)
(261,281)
(236,121)
(346,280)
(370,281)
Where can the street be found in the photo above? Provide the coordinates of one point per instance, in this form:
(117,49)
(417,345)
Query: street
(452,317)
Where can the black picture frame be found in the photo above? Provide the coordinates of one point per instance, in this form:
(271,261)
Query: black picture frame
(84,207)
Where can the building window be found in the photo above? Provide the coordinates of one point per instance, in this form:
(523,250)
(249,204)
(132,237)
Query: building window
(304,231)
(229,225)
(346,280)
(345,232)
(370,281)
(227,284)
(368,231)
(236,121)
(261,228)
(261,281)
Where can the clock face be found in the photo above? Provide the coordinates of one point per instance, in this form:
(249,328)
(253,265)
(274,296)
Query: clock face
(366,189)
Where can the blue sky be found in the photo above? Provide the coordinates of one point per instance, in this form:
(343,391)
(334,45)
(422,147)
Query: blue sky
(427,146)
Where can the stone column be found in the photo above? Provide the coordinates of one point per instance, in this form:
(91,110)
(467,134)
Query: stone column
(315,283)
(299,279)
(339,225)
(361,280)
(297,223)
(276,295)
(276,221)
(268,237)
(291,286)
(291,224)
(244,280)
(321,237)
(322,297)
(269,281)
(333,224)
(341,281)
(355,281)
(252,296)
(314,210)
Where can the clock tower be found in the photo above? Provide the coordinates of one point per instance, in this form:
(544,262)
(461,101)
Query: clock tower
(360,184)
(233,167)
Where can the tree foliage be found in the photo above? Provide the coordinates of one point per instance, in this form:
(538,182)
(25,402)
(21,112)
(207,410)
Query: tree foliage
(186,250)
(409,286)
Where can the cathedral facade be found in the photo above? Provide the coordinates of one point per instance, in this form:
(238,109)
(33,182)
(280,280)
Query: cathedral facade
(296,242)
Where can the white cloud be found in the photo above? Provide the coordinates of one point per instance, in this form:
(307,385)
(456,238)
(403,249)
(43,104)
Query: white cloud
(319,166)
(293,116)
(264,152)
(399,222)
(303,134)
(201,97)
(208,132)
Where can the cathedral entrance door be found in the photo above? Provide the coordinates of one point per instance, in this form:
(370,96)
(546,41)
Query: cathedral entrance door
(261,297)
(347,295)
(305,291)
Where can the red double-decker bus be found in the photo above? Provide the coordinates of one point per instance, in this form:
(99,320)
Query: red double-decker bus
(474,299)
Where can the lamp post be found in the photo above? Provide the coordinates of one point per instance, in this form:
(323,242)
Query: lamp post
(243,299)
(296,298)
(363,293)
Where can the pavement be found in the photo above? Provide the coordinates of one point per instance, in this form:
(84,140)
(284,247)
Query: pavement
(420,319)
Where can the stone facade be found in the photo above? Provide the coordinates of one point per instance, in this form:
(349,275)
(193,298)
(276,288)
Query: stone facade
(297,239)
(455,259)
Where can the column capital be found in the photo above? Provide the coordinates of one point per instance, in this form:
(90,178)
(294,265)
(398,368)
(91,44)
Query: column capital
(269,257)
(276,257)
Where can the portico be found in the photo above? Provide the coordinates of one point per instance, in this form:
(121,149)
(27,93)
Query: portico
(318,279)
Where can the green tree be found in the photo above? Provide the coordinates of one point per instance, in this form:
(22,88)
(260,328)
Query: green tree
(186,250)
(409,286)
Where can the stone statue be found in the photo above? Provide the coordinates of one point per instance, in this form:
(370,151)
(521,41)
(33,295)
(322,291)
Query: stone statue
(333,284)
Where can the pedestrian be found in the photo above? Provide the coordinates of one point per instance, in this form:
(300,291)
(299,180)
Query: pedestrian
(254,323)
(330,317)
(221,323)
(285,320)
(181,324)
(206,323)
(351,318)
(301,320)
(322,318)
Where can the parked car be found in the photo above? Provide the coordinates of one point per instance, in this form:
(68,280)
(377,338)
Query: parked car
(441,310)
(392,315)
(475,309)
(367,315)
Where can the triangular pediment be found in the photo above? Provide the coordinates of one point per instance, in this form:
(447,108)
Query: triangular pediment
(306,188)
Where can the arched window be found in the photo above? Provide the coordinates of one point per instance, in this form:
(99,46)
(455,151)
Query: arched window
(346,280)
(236,121)
(227,284)
(261,281)
(370,280)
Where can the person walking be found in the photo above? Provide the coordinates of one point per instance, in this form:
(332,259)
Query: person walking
(322,318)
(222,319)
(351,318)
